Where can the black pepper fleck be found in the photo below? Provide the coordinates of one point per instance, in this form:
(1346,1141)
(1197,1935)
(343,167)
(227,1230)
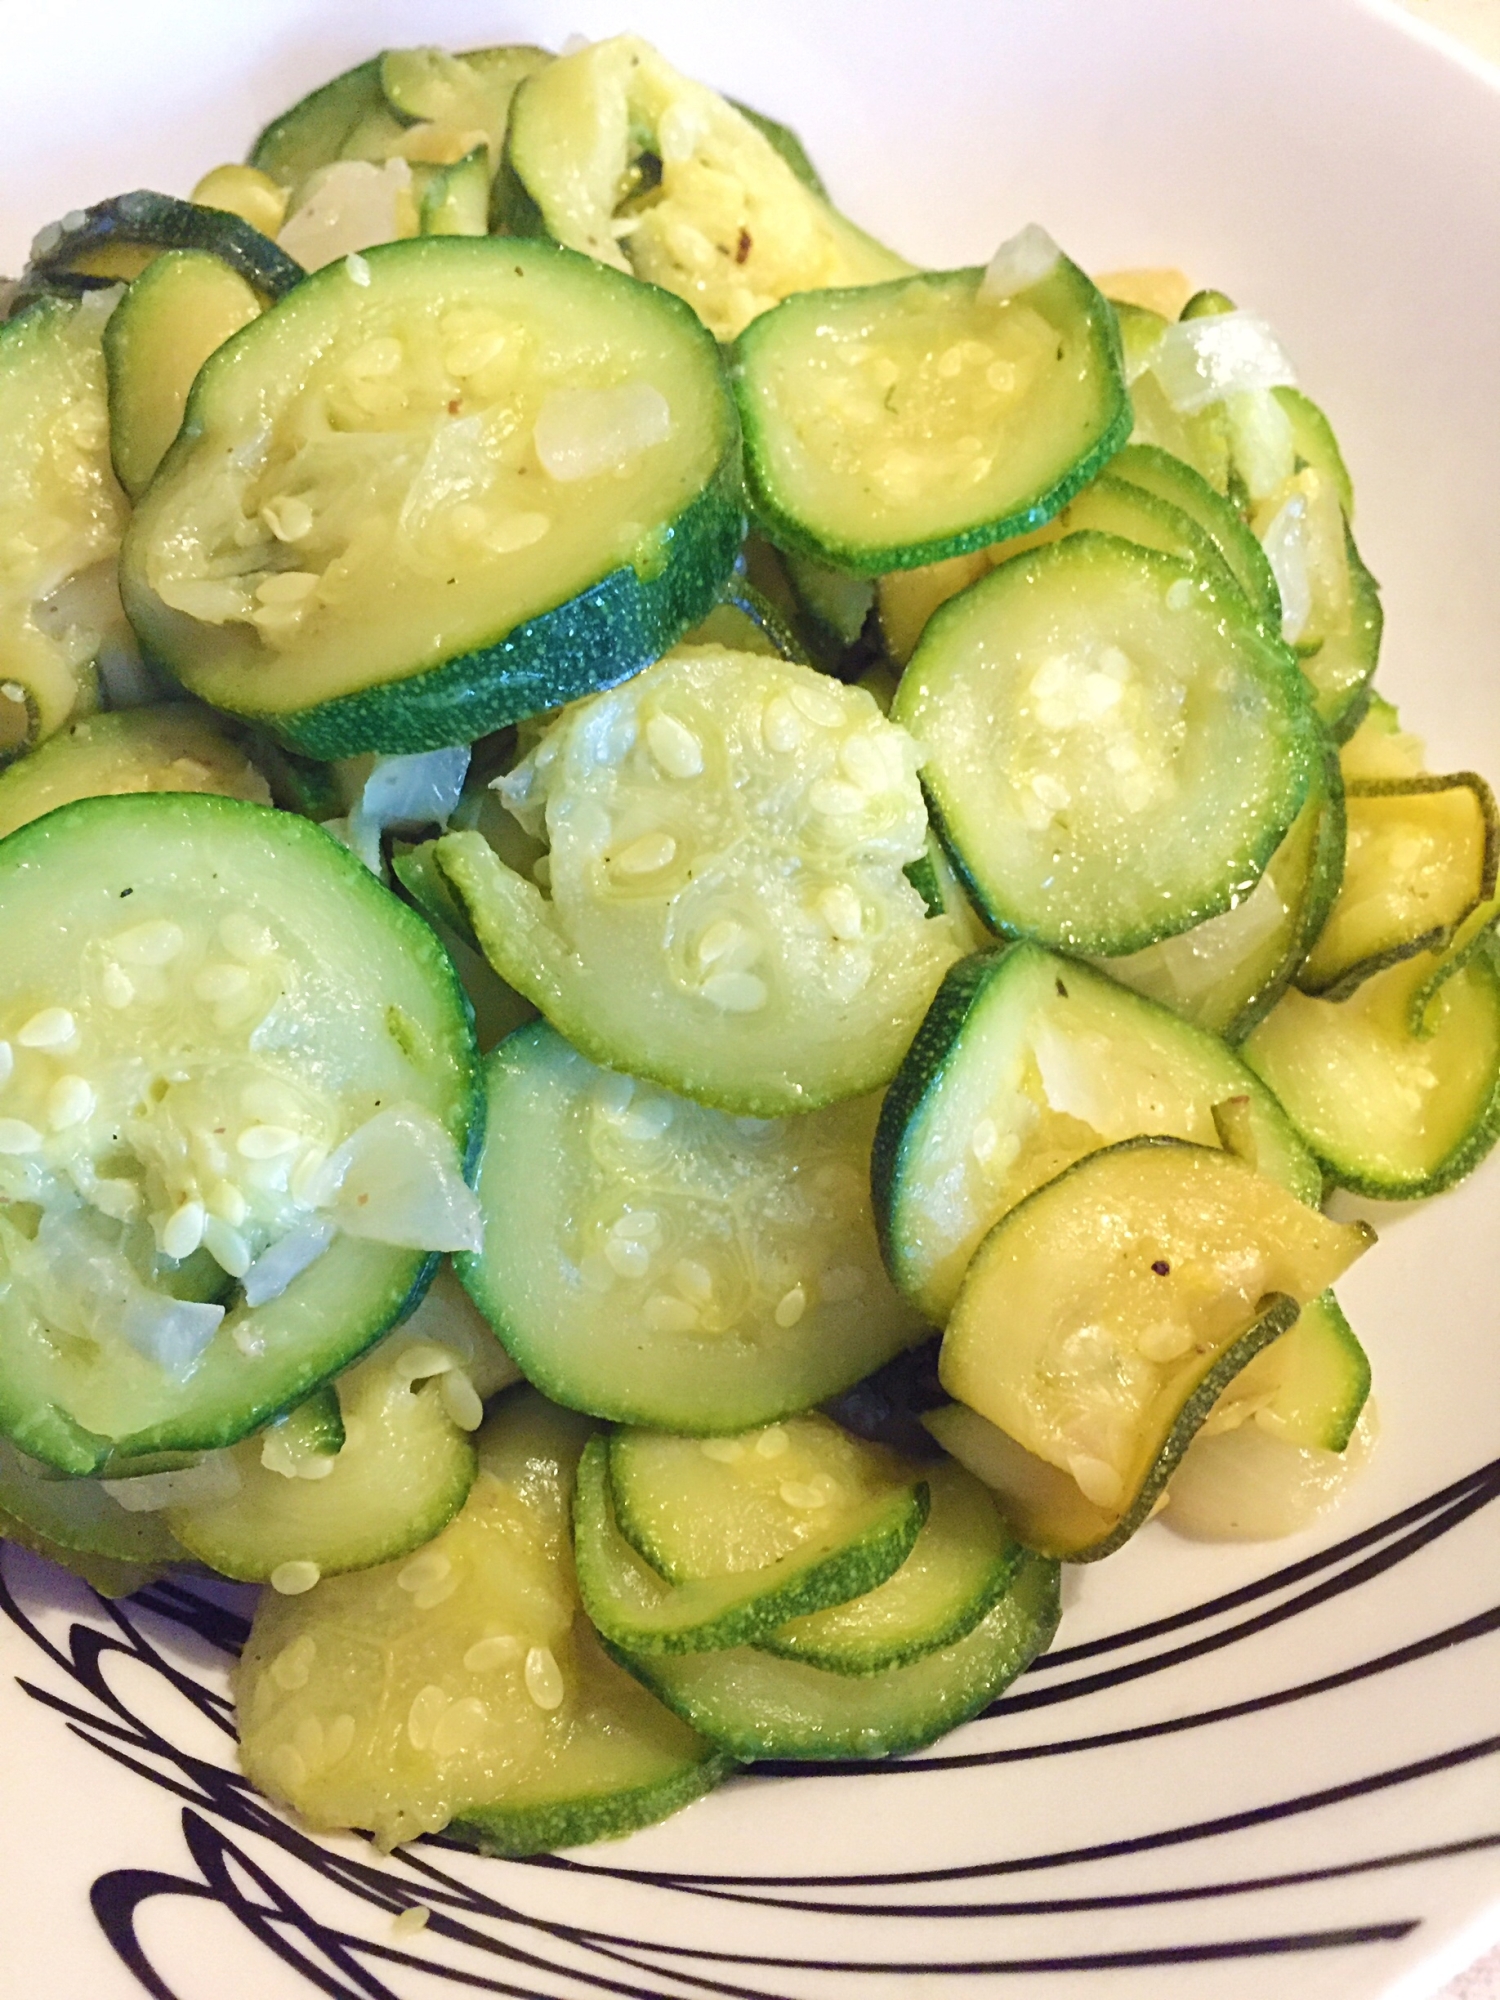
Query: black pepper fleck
(1161,1267)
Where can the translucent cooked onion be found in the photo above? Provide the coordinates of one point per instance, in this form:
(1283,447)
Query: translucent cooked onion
(582,432)
(396,1180)
(1198,361)
(288,1257)
(410,792)
(349,205)
(1249,1485)
(1022,261)
(85,1285)
(215,1478)
(1285,544)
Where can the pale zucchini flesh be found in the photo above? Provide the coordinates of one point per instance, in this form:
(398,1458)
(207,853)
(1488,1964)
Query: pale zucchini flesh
(174,747)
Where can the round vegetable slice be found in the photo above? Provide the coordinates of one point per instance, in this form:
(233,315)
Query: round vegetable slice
(1115,748)
(652,1260)
(461,1684)
(119,237)
(172,748)
(892,425)
(239,1091)
(725,909)
(450,484)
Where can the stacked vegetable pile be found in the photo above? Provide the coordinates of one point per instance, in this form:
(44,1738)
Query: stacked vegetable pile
(988,899)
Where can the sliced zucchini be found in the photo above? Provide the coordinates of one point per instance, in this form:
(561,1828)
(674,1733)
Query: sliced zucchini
(1308,1388)
(962,1565)
(1381,748)
(897,424)
(174,748)
(639,1612)
(1314,443)
(1389,1111)
(456,201)
(104,1574)
(1420,859)
(746,622)
(1330,602)
(1227,973)
(61,514)
(176,313)
(628,161)
(754,1705)
(116,239)
(245,192)
(697,1508)
(1026,1062)
(461,1684)
(77,1516)
(313,131)
(1103,1317)
(788,144)
(1115,748)
(648,1259)
(236,1068)
(477,399)
(726,911)
(1175,481)
(402,1473)
(498,1009)
(1199,439)
(446,103)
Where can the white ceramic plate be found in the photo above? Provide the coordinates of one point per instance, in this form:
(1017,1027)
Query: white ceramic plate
(1245,1770)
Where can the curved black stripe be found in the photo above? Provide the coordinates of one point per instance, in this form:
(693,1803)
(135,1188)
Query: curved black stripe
(1464,1497)
(1145,1843)
(1477,1627)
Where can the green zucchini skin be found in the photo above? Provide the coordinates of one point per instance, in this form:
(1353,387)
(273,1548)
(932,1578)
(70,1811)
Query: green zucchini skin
(1174,480)
(311,132)
(145,220)
(757,1706)
(609,630)
(512,1831)
(1077,309)
(152,845)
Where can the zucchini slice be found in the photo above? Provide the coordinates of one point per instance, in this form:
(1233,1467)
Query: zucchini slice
(1330,602)
(236,1068)
(461,1684)
(896,424)
(962,1565)
(1381,748)
(696,1508)
(174,748)
(61,516)
(1175,481)
(651,1260)
(313,131)
(1102,1318)
(1396,1089)
(1307,1388)
(1420,858)
(638,1611)
(1115,747)
(454,484)
(116,239)
(754,1705)
(725,909)
(77,1517)
(1228,972)
(177,312)
(1026,1062)
(625,159)
(402,1472)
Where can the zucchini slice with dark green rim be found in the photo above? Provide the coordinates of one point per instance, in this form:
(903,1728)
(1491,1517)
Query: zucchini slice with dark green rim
(724,220)
(1420,859)
(1026,1062)
(1102,1318)
(105,1574)
(523,486)
(313,131)
(1200,440)
(696,1508)
(184,963)
(725,909)
(183,306)
(1314,443)
(977,414)
(638,1611)
(1380,747)
(1391,1112)
(1174,480)
(1115,748)
(78,1516)
(462,1683)
(963,1563)
(115,239)
(757,1706)
(1227,973)
(1308,1387)
(174,748)
(58,499)
(654,1261)
(402,1472)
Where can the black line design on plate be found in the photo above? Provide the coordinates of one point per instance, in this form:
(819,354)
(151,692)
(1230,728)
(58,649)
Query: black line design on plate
(349,1966)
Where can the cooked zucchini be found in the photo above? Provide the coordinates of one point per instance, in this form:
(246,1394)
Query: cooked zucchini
(651,1260)
(897,424)
(725,909)
(1026,1062)
(174,748)
(1115,747)
(454,483)
(118,238)
(1103,1317)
